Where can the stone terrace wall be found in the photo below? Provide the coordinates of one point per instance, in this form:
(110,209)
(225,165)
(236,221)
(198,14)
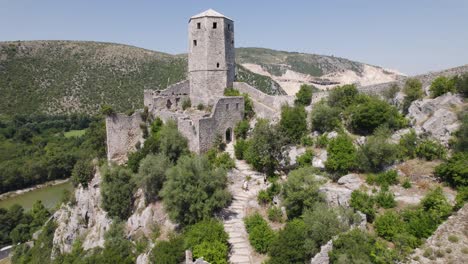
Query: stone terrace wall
(123,132)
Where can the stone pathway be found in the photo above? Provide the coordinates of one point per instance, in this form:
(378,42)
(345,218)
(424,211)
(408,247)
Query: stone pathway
(241,251)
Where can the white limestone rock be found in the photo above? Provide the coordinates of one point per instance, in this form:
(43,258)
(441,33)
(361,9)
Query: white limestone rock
(339,194)
(395,138)
(351,181)
(319,160)
(293,153)
(322,256)
(332,135)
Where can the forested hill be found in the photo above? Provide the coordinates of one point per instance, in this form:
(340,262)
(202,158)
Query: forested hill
(71,76)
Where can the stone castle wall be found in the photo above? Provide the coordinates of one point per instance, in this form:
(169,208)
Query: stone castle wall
(123,133)
(170,98)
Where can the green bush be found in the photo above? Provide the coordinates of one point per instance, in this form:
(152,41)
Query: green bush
(208,240)
(213,252)
(372,113)
(413,90)
(386,178)
(307,141)
(408,144)
(194,190)
(241,129)
(293,122)
(305,159)
(363,202)
(322,141)
(304,95)
(460,142)
(343,96)
(186,103)
(152,174)
(325,118)
(455,170)
(260,233)
(200,106)
(388,225)
(406,184)
(169,252)
(430,150)
(275,214)
(461,84)
(82,173)
(240,148)
(462,197)
(225,161)
(289,247)
(377,153)
(442,85)
(436,204)
(300,191)
(263,198)
(385,199)
(117,192)
(107,110)
(341,155)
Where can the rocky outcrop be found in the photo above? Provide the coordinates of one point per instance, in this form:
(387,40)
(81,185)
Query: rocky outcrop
(339,194)
(86,219)
(436,117)
(318,161)
(322,256)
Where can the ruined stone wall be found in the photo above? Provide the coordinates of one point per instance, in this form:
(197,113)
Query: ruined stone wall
(170,98)
(123,132)
(211,59)
(228,111)
(189,129)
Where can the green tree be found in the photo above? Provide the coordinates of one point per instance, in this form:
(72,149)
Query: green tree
(325,118)
(413,91)
(304,95)
(377,153)
(293,122)
(117,249)
(194,191)
(241,129)
(341,155)
(430,150)
(290,247)
(388,225)
(301,191)
(455,170)
(261,236)
(171,143)
(343,96)
(117,192)
(168,252)
(408,143)
(82,172)
(363,202)
(152,174)
(442,85)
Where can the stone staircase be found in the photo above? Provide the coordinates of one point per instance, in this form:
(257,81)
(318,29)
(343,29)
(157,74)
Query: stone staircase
(241,251)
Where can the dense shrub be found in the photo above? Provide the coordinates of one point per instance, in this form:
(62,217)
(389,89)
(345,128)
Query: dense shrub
(385,199)
(343,96)
(341,155)
(260,233)
(213,252)
(357,246)
(454,170)
(171,142)
(169,252)
(461,84)
(290,247)
(152,174)
(107,110)
(325,118)
(377,153)
(365,117)
(430,150)
(117,248)
(413,91)
(462,197)
(304,95)
(322,141)
(460,143)
(293,122)
(117,192)
(306,158)
(307,141)
(263,198)
(82,172)
(300,192)
(408,143)
(248,104)
(224,161)
(241,129)
(386,178)
(275,214)
(264,151)
(240,148)
(363,202)
(442,85)
(388,225)
(194,191)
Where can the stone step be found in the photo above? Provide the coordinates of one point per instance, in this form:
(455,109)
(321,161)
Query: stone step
(240,259)
(233,241)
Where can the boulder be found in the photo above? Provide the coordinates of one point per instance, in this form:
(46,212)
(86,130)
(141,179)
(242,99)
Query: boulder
(319,160)
(395,138)
(351,181)
(322,256)
(339,194)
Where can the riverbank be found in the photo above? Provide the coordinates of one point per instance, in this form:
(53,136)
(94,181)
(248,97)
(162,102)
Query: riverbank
(13,194)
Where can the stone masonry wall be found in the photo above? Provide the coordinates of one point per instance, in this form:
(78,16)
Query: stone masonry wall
(170,98)
(123,132)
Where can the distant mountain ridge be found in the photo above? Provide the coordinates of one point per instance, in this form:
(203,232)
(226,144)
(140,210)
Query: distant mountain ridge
(80,76)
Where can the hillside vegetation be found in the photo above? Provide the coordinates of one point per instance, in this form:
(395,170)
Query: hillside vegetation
(70,76)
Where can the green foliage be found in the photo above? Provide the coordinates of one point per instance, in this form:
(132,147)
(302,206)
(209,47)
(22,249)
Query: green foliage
(275,214)
(343,96)
(406,184)
(117,249)
(442,85)
(263,197)
(249,111)
(386,178)
(357,246)
(385,199)
(454,170)
(240,148)
(301,191)
(261,82)
(260,233)
(377,153)
(225,161)
(171,143)
(117,192)
(186,103)
(341,155)
(367,116)
(241,129)
(436,204)
(306,158)
(363,202)
(264,150)
(231,92)
(169,252)
(82,172)
(208,240)
(461,84)
(325,118)
(413,90)
(430,150)
(307,141)
(322,141)
(462,197)
(388,225)
(290,247)
(41,250)
(390,93)
(304,95)
(218,143)
(293,122)
(408,143)
(194,190)
(152,174)
(461,136)
(107,110)
(200,106)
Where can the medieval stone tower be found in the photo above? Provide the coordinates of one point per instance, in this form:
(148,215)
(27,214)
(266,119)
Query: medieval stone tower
(211,58)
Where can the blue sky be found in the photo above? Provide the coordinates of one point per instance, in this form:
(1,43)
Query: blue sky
(411,36)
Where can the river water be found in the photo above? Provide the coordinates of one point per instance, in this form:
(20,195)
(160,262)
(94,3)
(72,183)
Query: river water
(49,196)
